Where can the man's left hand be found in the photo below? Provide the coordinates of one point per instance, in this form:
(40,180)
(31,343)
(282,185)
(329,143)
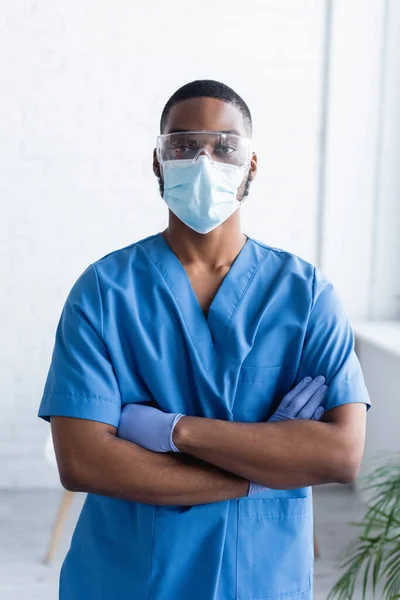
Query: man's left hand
(148,427)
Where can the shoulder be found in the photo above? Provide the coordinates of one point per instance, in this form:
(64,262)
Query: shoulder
(110,270)
(122,257)
(287,260)
(299,269)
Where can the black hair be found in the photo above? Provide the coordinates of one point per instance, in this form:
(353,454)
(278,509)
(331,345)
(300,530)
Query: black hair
(207,88)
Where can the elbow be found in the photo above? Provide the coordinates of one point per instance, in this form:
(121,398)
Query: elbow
(348,474)
(347,468)
(71,479)
(70,484)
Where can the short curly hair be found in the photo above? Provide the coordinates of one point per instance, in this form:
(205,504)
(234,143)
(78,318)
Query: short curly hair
(208,88)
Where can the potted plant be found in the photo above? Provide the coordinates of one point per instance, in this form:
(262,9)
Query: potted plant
(374,556)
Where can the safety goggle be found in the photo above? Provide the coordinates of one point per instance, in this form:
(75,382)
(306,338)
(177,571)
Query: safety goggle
(227,148)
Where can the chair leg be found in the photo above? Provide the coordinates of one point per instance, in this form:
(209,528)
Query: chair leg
(58,525)
(317,551)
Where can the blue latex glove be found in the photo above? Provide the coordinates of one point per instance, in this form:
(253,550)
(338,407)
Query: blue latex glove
(148,427)
(302,402)
(152,428)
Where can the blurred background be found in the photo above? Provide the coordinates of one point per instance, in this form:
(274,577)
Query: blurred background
(82,87)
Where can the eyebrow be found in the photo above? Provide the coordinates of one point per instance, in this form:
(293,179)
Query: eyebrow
(233,131)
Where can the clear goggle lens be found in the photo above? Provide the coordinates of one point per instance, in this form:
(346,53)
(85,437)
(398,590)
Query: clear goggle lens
(227,148)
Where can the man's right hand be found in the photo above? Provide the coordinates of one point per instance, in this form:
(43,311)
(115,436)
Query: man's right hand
(302,402)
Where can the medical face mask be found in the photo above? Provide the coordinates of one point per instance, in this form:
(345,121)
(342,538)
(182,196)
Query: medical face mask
(203,193)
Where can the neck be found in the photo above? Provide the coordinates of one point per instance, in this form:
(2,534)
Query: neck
(215,249)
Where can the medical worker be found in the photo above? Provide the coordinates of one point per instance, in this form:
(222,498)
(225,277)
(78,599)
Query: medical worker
(201,382)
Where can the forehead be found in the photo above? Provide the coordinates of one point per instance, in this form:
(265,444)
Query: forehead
(209,114)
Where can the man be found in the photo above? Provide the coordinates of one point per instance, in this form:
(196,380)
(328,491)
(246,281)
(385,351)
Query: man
(203,347)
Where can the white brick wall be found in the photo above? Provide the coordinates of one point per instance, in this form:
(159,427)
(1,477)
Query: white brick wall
(82,86)
(361,250)
(385,264)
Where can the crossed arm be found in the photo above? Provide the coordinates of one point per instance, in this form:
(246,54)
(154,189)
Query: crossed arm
(219,457)
(284,455)
(92,459)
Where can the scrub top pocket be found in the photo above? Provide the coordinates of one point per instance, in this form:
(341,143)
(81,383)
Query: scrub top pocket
(267,527)
(259,391)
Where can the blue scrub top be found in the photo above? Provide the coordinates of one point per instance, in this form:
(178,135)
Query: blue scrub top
(132,330)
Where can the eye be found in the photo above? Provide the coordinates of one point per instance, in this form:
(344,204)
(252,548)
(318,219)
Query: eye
(225,150)
(181,148)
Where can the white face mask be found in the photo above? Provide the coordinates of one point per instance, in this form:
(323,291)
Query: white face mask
(202,194)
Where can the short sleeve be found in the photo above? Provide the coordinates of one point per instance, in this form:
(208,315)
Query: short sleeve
(81,381)
(328,348)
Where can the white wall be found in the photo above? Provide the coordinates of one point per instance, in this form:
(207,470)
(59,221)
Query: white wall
(378,348)
(83,86)
(352,130)
(385,267)
(361,203)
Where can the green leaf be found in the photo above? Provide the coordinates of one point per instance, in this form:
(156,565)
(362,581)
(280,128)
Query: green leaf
(377,546)
(366,573)
(376,570)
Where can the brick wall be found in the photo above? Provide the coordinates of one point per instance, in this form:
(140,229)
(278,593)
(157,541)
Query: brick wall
(82,86)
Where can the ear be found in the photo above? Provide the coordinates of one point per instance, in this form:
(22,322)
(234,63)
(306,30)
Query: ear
(253,166)
(156,165)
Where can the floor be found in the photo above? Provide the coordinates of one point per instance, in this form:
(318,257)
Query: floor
(26,518)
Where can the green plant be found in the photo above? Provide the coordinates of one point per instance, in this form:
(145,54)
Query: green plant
(375,554)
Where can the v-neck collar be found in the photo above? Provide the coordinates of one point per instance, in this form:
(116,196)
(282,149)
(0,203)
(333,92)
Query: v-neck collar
(207,332)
